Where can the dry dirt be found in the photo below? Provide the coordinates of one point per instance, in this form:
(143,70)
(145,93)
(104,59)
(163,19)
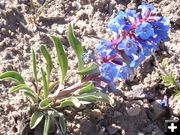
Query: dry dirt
(18,35)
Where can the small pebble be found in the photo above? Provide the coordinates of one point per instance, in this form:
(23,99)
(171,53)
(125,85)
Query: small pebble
(134,110)
(113,129)
(96,113)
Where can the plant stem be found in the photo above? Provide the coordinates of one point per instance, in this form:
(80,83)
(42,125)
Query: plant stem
(63,92)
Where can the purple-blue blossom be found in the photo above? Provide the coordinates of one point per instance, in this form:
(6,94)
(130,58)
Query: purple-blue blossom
(144,31)
(128,45)
(135,36)
(109,71)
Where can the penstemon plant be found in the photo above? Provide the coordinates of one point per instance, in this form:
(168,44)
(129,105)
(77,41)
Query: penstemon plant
(135,36)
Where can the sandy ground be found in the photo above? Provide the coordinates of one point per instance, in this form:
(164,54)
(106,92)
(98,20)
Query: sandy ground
(18,35)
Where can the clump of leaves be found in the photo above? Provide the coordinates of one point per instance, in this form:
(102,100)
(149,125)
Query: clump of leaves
(46,104)
(169,79)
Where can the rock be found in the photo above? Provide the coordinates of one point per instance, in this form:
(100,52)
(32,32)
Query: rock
(167,8)
(87,127)
(174,104)
(134,109)
(138,92)
(40,1)
(96,113)
(153,130)
(89,30)
(117,114)
(113,129)
(24,1)
(76,5)
(2,3)
(60,30)
(78,125)
(101,131)
(158,111)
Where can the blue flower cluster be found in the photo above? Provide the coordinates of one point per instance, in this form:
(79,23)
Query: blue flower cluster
(135,36)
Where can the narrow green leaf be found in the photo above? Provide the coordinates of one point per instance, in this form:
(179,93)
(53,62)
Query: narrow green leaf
(48,60)
(46,125)
(87,88)
(34,66)
(12,75)
(168,81)
(62,123)
(93,68)
(72,101)
(62,58)
(76,45)
(45,87)
(32,95)
(44,104)
(36,119)
(96,96)
(85,102)
(20,87)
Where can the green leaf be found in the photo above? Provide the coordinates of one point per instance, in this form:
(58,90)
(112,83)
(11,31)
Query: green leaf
(48,60)
(20,87)
(36,119)
(93,68)
(32,95)
(44,104)
(96,96)
(45,86)
(46,125)
(62,58)
(168,81)
(27,91)
(72,101)
(87,88)
(76,45)
(12,75)
(62,123)
(61,120)
(34,66)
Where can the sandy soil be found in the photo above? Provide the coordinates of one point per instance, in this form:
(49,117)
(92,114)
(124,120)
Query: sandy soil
(18,35)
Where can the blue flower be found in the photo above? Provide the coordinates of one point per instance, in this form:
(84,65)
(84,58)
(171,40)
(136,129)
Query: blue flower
(128,45)
(131,16)
(119,23)
(119,19)
(136,60)
(104,48)
(124,72)
(161,29)
(148,47)
(146,9)
(164,102)
(109,71)
(136,36)
(144,31)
